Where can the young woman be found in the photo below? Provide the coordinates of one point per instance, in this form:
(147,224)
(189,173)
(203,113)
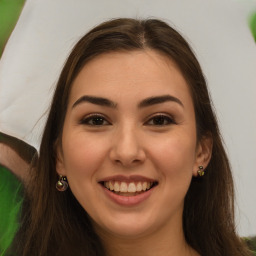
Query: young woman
(131,160)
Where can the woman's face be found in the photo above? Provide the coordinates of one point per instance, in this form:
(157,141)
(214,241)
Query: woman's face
(129,147)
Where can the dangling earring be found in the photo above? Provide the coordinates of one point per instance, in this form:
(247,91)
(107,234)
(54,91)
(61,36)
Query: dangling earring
(200,171)
(62,184)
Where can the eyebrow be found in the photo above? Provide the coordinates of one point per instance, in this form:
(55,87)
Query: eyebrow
(159,99)
(144,103)
(95,100)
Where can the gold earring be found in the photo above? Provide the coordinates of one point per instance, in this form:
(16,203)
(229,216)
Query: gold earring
(200,171)
(62,184)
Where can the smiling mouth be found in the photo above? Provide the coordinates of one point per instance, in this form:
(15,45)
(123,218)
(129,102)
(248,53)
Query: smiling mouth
(132,188)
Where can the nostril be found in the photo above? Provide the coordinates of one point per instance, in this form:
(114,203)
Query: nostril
(126,154)
(127,162)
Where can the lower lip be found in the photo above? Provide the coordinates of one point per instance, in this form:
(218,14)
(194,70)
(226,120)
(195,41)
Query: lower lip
(128,200)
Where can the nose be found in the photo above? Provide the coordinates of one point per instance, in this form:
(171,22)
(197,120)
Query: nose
(127,148)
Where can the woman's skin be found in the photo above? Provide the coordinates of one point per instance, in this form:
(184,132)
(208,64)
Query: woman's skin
(130,120)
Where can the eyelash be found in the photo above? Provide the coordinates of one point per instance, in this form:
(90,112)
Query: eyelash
(162,118)
(93,118)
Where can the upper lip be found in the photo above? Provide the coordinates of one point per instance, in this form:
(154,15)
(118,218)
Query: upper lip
(127,178)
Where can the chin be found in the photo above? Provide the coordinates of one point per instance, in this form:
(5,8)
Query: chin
(126,228)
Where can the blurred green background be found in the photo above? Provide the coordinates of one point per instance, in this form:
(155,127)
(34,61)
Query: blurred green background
(9,14)
(252,24)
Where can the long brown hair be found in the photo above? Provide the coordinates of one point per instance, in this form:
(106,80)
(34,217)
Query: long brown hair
(54,223)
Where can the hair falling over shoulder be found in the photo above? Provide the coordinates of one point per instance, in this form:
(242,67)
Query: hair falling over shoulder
(54,223)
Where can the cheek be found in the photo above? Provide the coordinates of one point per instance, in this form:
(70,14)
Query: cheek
(83,153)
(175,156)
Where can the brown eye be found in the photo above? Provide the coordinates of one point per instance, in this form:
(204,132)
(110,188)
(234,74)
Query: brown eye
(95,120)
(160,120)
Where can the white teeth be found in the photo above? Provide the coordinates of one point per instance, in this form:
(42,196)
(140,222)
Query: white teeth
(111,187)
(139,187)
(123,187)
(144,186)
(116,187)
(131,187)
(106,184)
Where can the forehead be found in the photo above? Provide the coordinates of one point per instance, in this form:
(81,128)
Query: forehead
(130,74)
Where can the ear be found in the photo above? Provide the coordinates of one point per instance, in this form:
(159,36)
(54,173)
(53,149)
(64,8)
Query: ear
(60,167)
(203,153)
